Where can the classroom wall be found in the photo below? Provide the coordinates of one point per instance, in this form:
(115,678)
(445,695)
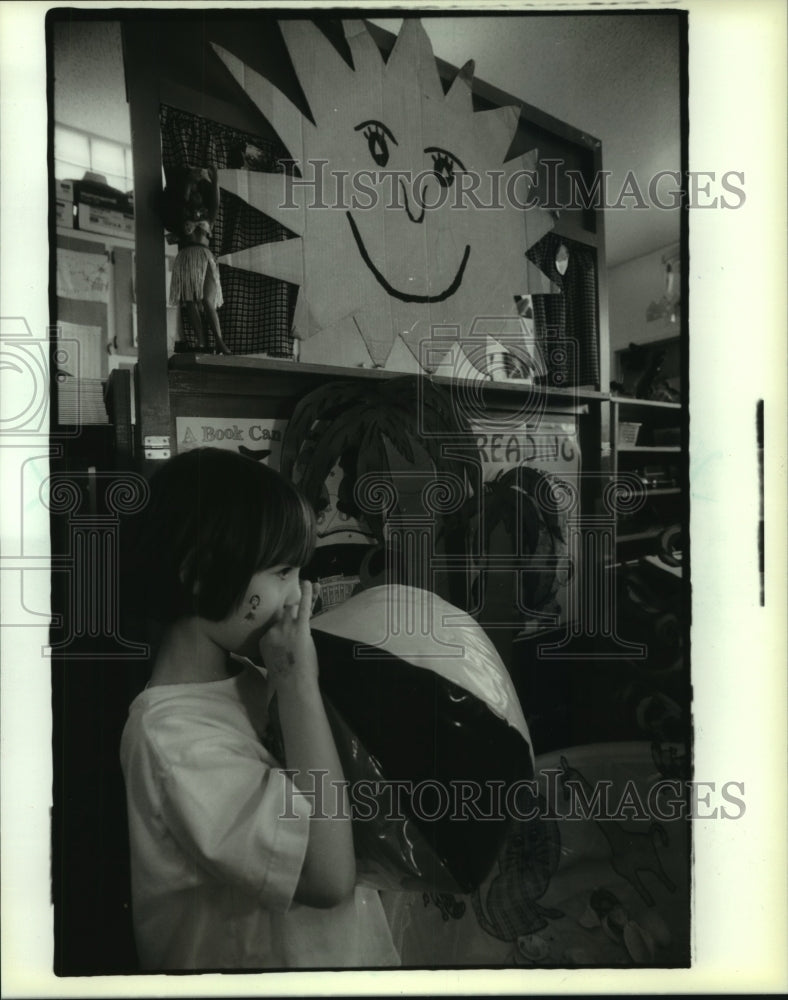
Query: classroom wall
(631,287)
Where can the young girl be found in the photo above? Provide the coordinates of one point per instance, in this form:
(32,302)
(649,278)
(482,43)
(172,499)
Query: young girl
(231,868)
(190,206)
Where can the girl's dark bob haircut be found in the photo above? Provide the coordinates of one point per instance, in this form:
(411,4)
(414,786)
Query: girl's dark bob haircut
(215,519)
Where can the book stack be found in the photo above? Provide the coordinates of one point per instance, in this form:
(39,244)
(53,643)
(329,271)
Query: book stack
(80,401)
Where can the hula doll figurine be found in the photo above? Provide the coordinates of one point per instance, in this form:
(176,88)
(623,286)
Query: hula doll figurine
(190,206)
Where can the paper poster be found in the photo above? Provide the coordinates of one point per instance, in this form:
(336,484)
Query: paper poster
(83,276)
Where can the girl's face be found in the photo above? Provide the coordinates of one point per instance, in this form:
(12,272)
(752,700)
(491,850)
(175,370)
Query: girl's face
(271,592)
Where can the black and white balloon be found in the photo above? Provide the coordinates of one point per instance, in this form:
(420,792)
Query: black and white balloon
(430,732)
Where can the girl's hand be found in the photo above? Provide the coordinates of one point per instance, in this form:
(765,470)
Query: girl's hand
(287,647)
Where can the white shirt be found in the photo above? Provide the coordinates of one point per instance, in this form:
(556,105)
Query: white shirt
(214,866)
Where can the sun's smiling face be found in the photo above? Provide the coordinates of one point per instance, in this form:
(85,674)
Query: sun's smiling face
(401,179)
(414,193)
(404,224)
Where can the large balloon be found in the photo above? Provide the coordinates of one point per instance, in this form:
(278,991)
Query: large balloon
(430,733)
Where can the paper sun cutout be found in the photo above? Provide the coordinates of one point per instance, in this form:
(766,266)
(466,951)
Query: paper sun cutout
(388,240)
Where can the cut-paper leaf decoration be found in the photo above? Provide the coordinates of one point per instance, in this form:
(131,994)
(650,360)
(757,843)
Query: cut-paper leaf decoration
(407,213)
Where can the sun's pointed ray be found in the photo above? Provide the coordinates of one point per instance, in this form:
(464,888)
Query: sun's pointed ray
(273,194)
(367,60)
(459,98)
(341,339)
(290,125)
(422,346)
(403,358)
(529,160)
(522,170)
(304,323)
(538,223)
(537,282)
(321,70)
(413,51)
(283,260)
(456,365)
(495,130)
(439,341)
(378,336)
(478,346)
(466,71)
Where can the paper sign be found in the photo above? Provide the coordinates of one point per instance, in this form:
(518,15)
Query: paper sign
(259,438)
(552,446)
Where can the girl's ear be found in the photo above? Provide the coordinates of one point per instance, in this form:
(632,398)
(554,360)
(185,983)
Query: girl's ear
(185,571)
(191,590)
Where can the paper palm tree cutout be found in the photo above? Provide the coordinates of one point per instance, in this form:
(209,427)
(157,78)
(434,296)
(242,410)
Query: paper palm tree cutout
(388,245)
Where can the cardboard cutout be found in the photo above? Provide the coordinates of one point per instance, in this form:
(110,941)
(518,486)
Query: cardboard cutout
(406,213)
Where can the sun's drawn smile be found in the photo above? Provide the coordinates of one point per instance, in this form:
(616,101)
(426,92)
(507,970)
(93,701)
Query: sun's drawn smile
(398,293)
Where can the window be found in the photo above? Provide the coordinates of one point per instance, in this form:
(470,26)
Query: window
(76,152)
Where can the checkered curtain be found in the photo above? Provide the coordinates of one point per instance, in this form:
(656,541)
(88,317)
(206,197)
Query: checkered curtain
(571,317)
(257,314)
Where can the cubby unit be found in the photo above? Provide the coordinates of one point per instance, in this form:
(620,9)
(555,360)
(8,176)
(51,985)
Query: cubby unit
(648,451)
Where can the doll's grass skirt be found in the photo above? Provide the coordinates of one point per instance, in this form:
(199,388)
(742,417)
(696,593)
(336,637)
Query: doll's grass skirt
(188,276)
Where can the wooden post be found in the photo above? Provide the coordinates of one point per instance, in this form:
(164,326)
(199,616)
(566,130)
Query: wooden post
(151,383)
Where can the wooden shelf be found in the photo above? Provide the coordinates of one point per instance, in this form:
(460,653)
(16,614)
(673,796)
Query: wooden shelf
(243,366)
(665,449)
(655,403)
(105,239)
(655,561)
(639,536)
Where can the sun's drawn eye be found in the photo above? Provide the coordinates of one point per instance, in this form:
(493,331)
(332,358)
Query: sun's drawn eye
(376,135)
(445,165)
